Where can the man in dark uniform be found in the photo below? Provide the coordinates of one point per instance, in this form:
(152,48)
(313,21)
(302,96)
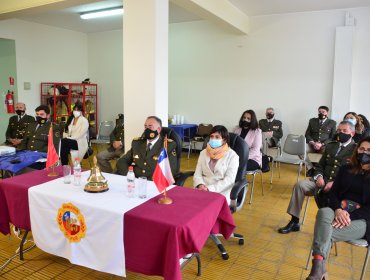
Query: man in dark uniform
(272,129)
(336,153)
(320,131)
(36,135)
(116,148)
(17,125)
(144,152)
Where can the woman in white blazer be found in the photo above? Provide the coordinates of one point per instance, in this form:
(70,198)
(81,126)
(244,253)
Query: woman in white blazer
(217,164)
(75,136)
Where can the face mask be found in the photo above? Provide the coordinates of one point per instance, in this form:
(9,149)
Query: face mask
(352,121)
(321,116)
(363,158)
(19,112)
(269,116)
(41,120)
(215,143)
(343,138)
(246,124)
(76,114)
(150,134)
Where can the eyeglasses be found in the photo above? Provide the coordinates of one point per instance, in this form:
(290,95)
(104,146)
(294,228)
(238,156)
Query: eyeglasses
(363,150)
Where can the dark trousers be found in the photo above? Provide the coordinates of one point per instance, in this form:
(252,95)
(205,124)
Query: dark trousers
(252,165)
(66,146)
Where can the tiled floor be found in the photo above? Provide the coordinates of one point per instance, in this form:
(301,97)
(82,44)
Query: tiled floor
(265,254)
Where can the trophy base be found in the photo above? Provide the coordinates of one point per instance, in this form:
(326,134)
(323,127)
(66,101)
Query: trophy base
(165,200)
(96,187)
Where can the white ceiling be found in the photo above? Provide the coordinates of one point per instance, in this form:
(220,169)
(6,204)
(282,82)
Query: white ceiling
(69,18)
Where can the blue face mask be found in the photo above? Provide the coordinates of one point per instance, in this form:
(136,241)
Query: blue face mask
(352,121)
(215,143)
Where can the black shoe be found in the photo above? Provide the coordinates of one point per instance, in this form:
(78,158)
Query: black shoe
(291,226)
(310,172)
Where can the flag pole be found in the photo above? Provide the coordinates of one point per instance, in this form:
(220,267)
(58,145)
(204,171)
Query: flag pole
(165,199)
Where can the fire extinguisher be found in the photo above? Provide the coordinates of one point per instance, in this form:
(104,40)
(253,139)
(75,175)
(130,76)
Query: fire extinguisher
(9,100)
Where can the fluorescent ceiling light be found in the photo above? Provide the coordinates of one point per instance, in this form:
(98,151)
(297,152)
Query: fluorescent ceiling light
(102,13)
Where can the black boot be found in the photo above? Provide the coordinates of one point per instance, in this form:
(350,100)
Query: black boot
(291,226)
(318,271)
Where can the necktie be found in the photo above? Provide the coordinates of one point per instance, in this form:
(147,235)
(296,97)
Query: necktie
(148,147)
(321,122)
(341,147)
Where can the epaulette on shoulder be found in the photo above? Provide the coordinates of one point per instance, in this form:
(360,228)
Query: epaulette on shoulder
(331,142)
(170,140)
(137,138)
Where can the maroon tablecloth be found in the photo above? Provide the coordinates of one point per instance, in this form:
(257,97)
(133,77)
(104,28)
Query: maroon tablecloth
(157,236)
(14,198)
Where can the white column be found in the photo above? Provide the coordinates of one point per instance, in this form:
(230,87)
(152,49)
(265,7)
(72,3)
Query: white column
(342,79)
(145,64)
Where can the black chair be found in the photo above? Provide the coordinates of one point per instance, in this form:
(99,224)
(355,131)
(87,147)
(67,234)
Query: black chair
(239,190)
(179,177)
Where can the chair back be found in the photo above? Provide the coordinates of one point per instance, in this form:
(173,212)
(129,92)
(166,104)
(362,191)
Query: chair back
(105,129)
(241,148)
(295,145)
(171,134)
(204,130)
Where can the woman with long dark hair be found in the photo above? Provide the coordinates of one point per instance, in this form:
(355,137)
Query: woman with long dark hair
(249,131)
(75,136)
(348,215)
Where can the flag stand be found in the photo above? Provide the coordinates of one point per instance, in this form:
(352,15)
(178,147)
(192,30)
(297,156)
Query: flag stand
(53,173)
(165,199)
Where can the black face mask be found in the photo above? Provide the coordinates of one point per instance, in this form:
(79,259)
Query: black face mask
(150,134)
(363,158)
(41,120)
(321,116)
(246,124)
(19,112)
(343,138)
(269,116)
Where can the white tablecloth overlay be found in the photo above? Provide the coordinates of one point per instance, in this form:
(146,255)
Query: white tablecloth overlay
(102,247)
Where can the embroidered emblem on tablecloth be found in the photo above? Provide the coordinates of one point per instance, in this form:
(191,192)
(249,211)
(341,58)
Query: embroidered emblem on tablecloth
(71,222)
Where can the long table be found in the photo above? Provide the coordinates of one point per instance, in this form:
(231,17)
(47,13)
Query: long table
(175,230)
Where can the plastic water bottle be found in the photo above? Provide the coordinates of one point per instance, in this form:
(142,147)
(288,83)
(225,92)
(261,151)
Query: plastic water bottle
(130,182)
(77,172)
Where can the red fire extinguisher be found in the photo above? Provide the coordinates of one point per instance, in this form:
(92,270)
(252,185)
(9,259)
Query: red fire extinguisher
(9,100)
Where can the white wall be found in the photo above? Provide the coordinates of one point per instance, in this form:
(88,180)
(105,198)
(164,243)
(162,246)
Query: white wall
(360,101)
(285,62)
(45,54)
(106,69)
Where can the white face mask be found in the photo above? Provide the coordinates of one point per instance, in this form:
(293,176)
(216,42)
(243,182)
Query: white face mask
(76,114)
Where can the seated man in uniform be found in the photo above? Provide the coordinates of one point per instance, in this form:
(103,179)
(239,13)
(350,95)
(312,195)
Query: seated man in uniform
(36,135)
(336,154)
(17,125)
(144,152)
(115,150)
(272,129)
(320,131)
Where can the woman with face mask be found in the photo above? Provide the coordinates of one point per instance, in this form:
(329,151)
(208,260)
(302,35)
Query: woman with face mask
(348,214)
(75,136)
(217,164)
(249,131)
(361,130)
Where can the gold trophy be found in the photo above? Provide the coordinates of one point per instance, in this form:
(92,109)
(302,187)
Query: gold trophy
(96,182)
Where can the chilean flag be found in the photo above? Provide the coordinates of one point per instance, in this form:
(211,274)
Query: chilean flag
(162,175)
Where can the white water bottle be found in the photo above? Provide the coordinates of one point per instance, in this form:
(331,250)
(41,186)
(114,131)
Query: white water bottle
(130,191)
(76,172)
